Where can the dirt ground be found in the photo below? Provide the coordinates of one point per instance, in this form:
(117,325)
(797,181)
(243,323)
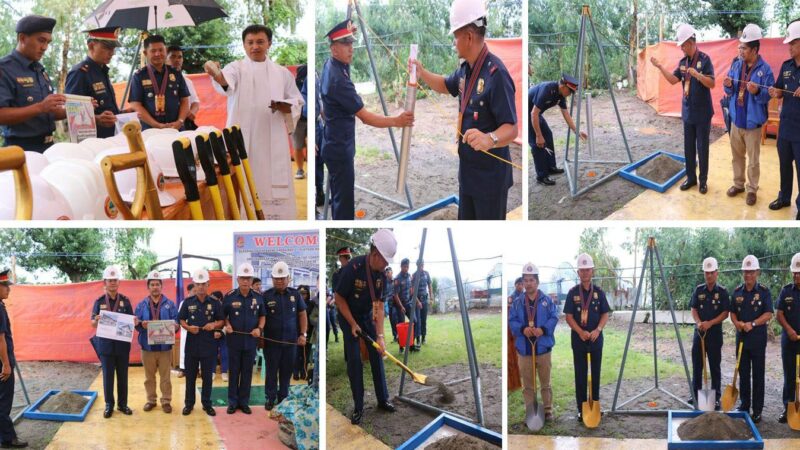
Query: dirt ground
(39,378)
(646,132)
(383,425)
(432,167)
(655,426)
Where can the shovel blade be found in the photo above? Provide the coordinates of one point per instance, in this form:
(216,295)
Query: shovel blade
(534,416)
(706,399)
(590,411)
(729,397)
(793,415)
(419,378)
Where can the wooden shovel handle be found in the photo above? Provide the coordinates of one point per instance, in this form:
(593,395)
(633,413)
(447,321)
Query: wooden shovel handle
(738,359)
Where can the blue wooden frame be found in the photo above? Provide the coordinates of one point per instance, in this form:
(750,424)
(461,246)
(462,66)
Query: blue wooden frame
(757,441)
(627,172)
(460,425)
(427,209)
(32,412)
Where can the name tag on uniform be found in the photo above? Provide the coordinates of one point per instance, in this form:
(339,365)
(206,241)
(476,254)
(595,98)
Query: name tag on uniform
(99,87)
(236,305)
(788,299)
(576,299)
(359,284)
(25,81)
(701,297)
(271,303)
(739,299)
(103,306)
(787,74)
(192,308)
(147,83)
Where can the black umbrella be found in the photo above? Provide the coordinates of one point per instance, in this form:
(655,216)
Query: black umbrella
(150,14)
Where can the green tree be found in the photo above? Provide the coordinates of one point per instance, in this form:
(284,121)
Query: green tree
(76,253)
(786,12)
(730,15)
(355,238)
(131,250)
(593,241)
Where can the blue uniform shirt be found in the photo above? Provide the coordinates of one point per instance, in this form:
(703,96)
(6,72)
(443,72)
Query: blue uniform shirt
(121,305)
(5,328)
(143,91)
(388,293)
(789,78)
(544,96)
(749,306)
(789,303)
(91,79)
(243,312)
(424,282)
(697,108)
(490,105)
(710,304)
(283,309)
(24,83)
(166,311)
(197,313)
(354,288)
(340,103)
(402,287)
(598,305)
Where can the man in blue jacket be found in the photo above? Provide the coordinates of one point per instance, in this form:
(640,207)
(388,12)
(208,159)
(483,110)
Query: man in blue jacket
(156,306)
(748,109)
(532,319)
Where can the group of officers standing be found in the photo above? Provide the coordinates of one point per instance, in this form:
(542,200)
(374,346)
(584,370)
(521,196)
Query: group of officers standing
(533,316)
(241,317)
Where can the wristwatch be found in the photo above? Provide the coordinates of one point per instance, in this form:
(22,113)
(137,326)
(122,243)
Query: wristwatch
(754,324)
(494,139)
(304,335)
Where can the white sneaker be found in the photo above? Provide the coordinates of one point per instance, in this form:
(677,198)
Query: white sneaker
(299,175)
(224,377)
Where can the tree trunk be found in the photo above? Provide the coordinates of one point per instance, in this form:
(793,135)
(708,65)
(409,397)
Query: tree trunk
(633,44)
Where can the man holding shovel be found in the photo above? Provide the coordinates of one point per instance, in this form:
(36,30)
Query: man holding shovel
(789,318)
(586,310)
(532,319)
(751,310)
(357,294)
(7,433)
(710,304)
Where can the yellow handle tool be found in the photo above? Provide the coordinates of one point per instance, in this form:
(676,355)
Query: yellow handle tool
(13,158)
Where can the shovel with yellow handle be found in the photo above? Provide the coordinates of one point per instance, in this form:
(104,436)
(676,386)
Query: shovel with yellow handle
(133,134)
(218,149)
(187,171)
(13,158)
(207,163)
(730,394)
(793,408)
(534,412)
(416,377)
(236,162)
(590,409)
(248,172)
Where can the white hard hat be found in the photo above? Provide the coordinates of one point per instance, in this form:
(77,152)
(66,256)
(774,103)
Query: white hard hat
(750,262)
(245,270)
(200,276)
(530,269)
(97,145)
(153,275)
(126,179)
(159,150)
(585,261)
(280,270)
(207,129)
(792,32)
(385,242)
(465,12)
(112,273)
(751,32)
(68,150)
(685,31)
(150,132)
(710,264)
(795,266)
(48,202)
(78,183)
(35,162)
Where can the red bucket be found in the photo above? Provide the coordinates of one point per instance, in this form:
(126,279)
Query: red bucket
(402,333)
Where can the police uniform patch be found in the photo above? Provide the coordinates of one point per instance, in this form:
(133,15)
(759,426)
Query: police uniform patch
(99,87)
(172,77)
(699,65)
(576,299)
(480,86)
(739,299)
(146,82)
(461,83)
(595,296)
(760,73)
(291,298)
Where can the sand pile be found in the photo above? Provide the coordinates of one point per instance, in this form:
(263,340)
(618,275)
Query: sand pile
(659,169)
(64,403)
(714,426)
(461,442)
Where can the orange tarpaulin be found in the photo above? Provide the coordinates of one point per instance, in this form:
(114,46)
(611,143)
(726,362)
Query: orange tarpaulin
(666,99)
(52,323)
(510,52)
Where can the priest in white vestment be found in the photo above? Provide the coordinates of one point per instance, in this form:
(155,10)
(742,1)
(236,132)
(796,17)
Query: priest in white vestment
(265,102)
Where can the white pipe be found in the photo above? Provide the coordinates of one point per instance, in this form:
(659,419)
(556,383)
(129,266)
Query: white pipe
(405,141)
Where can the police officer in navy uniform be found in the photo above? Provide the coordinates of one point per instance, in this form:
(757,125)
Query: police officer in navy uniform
(341,105)
(403,298)
(586,309)
(285,332)
(487,115)
(8,436)
(542,97)
(244,313)
(28,105)
(90,78)
(422,280)
(788,78)
(158,92)
(696,72)
(388,300)
(789,317)
(200,315)
(343,254)
(710,305)
(300,369)
(358,292)
(114,355)
(751,311)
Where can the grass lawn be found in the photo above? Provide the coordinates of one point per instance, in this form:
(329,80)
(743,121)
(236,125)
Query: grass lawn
(445,345)
(638,365)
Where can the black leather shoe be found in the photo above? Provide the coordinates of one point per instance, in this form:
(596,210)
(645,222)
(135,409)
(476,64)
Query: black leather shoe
(246,409)
(187,410)
(16,443)
(124,410)
(779,204)
(231,409)
(269,405)
(210,411)
(386,406)
(797,217)
(690,400)
(108,412)
(743,409)
(579,417)
(423,340)
(716,406)
(688,184)
(703,188)
(556,171)
(756,418)
(320,199)
(782,417)
(356,417)
(545,181)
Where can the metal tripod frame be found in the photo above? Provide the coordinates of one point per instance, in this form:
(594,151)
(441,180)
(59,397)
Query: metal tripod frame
(651,251)
(474,370)
(24,393)
(408,206)
(572,173)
